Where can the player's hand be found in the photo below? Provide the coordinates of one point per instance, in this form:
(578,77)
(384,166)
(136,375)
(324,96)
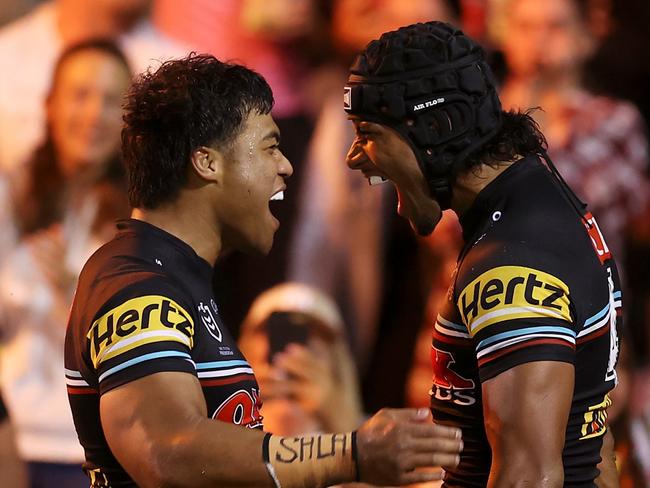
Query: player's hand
(309,374)
(393,443)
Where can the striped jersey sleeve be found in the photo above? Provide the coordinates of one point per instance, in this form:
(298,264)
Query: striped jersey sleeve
(147,329)
(514,315)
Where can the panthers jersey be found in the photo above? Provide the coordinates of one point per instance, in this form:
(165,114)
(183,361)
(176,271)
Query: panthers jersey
(144,305)
(534,282)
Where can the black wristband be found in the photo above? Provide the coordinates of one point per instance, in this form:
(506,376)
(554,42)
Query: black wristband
(265,447)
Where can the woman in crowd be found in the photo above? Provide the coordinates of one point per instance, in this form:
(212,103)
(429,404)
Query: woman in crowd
(68,199)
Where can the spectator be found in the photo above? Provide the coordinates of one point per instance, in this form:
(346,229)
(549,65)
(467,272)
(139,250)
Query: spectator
(31,45)
(72,195)
(307,387)
(12,470)
(598,143)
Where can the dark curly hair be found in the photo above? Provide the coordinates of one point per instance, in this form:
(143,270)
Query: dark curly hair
(519,135)
(185,104)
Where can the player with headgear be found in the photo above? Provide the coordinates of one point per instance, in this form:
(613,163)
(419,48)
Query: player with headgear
(525,346)
(160,393)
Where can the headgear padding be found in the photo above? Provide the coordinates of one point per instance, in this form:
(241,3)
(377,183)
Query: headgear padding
(431,84)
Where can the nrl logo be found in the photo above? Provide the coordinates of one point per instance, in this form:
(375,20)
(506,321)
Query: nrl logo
(209,321)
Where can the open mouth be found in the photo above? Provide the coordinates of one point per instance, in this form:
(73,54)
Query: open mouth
(376,180)
(279,195)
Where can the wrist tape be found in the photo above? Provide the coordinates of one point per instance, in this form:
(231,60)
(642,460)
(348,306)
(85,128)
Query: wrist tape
(310,461)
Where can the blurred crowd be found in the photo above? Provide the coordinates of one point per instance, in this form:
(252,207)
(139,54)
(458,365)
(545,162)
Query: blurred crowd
(354,292)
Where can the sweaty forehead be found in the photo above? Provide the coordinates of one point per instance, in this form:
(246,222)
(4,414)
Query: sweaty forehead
(259,127)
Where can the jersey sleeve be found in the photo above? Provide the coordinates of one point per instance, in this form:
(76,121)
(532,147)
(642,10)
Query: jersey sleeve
(145,329)
(516,314)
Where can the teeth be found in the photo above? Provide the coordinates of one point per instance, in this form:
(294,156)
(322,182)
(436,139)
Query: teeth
(376,180)
(278,196)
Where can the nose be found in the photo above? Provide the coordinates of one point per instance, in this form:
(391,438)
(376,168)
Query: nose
(285,169)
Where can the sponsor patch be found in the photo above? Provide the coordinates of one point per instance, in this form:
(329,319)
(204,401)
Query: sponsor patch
(512,292)
(139,321)
(448,385)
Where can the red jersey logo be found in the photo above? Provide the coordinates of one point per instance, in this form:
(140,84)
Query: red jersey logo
(597,239)
(240,408)
(443,376)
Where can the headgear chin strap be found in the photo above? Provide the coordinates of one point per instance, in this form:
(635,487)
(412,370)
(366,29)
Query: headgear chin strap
(430,83)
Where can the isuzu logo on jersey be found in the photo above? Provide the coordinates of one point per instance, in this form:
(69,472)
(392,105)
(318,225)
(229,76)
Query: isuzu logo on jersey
(210,321)
(512,292)
(136,322)
(447,384)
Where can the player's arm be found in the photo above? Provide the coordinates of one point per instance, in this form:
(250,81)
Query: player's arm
(157,428)
(526,410)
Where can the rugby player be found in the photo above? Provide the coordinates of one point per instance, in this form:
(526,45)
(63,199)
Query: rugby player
(524,349)
(160,394)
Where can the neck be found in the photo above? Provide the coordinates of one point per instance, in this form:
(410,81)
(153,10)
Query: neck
(183,219)
(469,184)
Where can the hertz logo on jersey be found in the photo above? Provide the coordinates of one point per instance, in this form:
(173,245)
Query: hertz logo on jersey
(139,321)
(512,292)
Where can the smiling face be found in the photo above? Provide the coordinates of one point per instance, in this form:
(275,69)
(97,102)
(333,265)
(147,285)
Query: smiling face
(84,109)
(253,174)
(379,151)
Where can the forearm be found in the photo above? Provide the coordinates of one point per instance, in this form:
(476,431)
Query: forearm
(213,453)
(207,455)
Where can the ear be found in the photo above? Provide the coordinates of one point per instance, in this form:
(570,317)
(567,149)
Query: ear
(208,163)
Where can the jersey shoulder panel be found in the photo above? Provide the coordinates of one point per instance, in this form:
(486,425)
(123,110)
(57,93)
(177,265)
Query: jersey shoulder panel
(515,305)
(132,320)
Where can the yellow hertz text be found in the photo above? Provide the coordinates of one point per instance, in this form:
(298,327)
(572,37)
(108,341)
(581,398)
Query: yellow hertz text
(139,321)
(512,292)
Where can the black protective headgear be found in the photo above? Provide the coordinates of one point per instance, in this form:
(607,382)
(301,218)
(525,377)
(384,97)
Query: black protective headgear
(431,84)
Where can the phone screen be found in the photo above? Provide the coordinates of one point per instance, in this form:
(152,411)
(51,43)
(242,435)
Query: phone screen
(285,328)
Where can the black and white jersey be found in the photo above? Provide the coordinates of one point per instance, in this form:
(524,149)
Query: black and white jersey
(534,282)
(144,305)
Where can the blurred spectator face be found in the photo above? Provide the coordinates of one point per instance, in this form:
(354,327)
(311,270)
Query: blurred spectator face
(84,109)
(545,38)
(126,10)
(279,20)
(357,22)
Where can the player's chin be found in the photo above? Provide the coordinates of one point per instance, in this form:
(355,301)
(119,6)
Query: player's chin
(263,242)
(423,225)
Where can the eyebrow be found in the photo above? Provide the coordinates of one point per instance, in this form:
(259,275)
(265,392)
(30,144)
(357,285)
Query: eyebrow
(274,134)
